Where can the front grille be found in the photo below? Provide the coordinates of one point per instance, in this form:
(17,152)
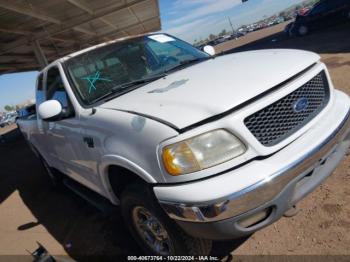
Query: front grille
(281,119)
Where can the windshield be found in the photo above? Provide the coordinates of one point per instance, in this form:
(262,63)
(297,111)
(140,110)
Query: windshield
(122,66)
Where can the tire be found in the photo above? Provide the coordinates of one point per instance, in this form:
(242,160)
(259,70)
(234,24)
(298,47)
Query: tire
(136,201)
(303,30)
(290,32)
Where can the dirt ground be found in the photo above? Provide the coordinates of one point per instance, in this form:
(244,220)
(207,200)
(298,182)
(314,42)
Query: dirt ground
(30,210)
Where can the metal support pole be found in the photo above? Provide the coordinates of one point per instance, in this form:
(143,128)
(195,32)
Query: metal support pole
(229,20)
(40,56)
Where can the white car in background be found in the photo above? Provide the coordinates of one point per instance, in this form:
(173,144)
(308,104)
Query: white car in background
(2,122)
(7,120)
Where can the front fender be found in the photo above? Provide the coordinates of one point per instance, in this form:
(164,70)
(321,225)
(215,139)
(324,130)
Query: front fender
(114,160)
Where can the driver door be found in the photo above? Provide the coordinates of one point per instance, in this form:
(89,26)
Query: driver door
(64,137)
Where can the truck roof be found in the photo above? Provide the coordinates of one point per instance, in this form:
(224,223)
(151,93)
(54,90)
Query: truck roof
(65,58)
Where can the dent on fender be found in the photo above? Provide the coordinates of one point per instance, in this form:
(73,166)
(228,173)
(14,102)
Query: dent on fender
(138,123)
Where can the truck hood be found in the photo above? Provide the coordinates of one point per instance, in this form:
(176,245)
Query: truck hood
(204,90)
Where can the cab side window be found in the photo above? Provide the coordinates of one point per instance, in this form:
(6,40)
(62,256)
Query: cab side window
(39,96)
(55,90)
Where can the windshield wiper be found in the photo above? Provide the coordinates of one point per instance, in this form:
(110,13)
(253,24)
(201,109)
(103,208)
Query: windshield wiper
(140,81)
(126,87)
(187,63)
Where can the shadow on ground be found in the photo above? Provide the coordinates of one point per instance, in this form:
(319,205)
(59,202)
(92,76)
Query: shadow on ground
(329,40)
(85,233)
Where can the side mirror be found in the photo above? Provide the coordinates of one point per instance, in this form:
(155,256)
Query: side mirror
(209,50)
(50,110)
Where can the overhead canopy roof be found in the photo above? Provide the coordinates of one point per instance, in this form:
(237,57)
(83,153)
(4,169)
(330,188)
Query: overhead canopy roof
(59,27)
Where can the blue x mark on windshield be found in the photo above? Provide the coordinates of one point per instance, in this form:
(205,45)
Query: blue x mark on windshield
(92,79)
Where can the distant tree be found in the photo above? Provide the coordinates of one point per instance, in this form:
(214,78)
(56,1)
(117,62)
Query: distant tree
(212,37)
(223,32)
(9,108)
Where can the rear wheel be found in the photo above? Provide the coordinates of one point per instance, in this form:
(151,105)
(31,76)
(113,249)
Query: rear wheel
(303,30)
(153,230)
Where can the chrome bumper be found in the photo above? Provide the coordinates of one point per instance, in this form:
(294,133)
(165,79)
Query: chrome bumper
(263,191)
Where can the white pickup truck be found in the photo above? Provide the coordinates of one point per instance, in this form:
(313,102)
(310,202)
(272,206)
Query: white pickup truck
(193,147)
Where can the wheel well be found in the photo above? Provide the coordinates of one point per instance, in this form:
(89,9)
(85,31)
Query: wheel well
(120,177)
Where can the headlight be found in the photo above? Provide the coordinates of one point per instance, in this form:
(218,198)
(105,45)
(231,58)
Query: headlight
(201,152)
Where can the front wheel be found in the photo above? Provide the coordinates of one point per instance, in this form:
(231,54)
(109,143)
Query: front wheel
(153,230)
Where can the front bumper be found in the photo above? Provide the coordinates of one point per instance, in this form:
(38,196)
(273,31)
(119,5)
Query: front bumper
(275,194)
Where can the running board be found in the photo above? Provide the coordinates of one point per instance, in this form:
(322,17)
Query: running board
(90,196)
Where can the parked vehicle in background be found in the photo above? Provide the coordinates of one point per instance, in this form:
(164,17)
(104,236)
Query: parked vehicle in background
(216,41)
(220,40)
(2,122)
(228,37)
(240,33)
(287,29)
(11,118)
(200,47)
(189,145)
(280,20)
(26,112)
(324,13)
(242,30)
(8,119)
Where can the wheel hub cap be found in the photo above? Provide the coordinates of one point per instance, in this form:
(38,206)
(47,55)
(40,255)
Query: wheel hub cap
(152,231)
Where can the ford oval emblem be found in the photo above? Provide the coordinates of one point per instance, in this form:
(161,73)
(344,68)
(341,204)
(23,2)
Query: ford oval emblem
(300,105)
